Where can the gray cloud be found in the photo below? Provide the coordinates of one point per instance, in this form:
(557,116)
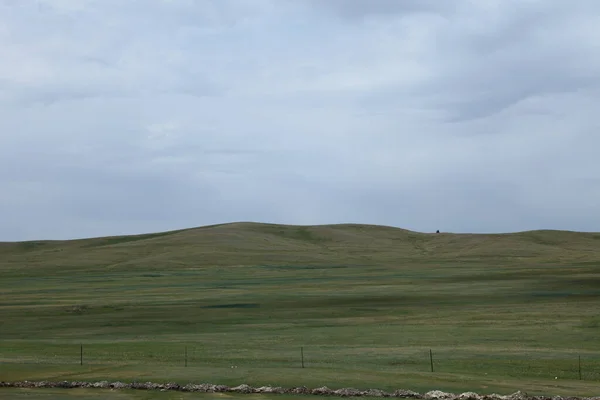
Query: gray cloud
(359,9)
(459,116)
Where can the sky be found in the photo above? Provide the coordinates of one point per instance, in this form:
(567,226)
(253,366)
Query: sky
(125,116)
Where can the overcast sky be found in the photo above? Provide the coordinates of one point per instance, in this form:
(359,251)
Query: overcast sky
(124,116)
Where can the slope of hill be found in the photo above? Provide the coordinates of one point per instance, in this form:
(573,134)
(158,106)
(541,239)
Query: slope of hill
(270,244)
(502,312)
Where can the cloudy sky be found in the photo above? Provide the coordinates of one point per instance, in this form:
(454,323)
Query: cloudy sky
(125,116)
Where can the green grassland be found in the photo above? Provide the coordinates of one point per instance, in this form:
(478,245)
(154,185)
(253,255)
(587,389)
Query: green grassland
(500,312)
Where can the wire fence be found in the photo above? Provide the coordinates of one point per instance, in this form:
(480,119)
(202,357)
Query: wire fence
(533,364)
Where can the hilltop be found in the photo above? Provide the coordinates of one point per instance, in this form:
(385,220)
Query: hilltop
(247,243)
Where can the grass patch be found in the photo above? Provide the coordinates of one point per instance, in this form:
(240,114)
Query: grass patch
(111,241)
(234,305)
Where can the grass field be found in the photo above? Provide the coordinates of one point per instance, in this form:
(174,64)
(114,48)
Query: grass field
(500,312)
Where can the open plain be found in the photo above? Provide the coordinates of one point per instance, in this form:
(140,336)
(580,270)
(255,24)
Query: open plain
(363,305)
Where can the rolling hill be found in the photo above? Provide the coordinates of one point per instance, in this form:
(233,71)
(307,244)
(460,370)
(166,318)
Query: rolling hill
(502,312)
(270,244)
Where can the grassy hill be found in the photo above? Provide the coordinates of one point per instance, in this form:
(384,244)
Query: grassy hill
(270,244)
(501,312)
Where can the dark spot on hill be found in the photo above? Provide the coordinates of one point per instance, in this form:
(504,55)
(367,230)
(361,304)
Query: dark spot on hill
(301,233)
(33,245)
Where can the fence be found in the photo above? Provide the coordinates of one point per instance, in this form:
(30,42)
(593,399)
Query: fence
(530,363)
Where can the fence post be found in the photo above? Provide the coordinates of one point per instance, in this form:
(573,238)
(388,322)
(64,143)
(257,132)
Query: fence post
(186,356)
(431,359)
(81,354)
(302,355)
